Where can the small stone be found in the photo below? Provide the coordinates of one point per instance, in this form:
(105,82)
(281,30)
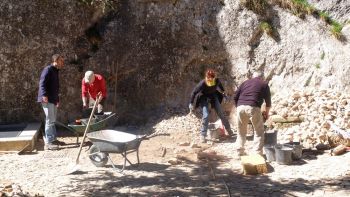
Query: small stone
(184,144)
(174,161)
(194,145)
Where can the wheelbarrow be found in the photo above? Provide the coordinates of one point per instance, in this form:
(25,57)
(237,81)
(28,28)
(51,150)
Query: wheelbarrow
(113,141)
(98,122)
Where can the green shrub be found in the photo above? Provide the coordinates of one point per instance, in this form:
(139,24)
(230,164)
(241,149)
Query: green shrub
(310,9)
(324,16)
(336,29)
(317,65)
(322,55)
(266,27)
(301,7)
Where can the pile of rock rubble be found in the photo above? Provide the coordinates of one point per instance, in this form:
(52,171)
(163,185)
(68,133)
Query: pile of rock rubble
(310,116)
(8,189)
(320,113)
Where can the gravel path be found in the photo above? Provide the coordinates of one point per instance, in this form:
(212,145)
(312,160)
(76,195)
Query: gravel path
(45,172)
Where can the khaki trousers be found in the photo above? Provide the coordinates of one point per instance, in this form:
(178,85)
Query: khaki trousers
(246,114)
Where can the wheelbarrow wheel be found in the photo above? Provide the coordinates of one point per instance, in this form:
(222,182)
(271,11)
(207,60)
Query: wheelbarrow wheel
(99,159)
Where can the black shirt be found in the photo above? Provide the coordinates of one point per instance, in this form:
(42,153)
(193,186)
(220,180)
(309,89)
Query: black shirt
(253,92)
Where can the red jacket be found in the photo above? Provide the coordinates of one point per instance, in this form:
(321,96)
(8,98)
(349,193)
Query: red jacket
(99,85)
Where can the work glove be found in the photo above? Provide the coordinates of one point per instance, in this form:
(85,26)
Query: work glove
(224,98)
(190,106)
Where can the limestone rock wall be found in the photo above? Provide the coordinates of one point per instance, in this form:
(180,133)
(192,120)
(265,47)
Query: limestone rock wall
(153,52)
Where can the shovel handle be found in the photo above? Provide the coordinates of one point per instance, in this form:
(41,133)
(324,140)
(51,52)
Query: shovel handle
(88,125)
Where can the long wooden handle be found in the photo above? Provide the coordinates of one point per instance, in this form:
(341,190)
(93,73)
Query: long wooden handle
(87,126)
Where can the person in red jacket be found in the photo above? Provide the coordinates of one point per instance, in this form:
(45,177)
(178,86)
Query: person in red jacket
(91,85)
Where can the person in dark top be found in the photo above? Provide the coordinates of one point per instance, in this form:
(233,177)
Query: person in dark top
(209,91)
(49,99)
(249,97)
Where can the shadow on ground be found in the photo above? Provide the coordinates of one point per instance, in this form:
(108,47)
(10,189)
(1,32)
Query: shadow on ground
(202,180)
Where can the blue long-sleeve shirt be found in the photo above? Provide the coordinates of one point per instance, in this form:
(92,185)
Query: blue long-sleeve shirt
(49,84)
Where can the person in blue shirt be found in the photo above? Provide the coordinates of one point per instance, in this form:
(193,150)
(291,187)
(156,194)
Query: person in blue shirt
(48,96)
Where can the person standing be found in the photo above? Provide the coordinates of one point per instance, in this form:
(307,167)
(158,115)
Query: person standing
(209,91)
(48,96)
(249,97)
(91,85)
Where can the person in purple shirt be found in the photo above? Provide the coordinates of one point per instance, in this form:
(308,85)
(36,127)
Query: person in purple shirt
(49,99)
(249,97)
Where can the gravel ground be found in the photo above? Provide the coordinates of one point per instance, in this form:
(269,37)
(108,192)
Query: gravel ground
(44,173)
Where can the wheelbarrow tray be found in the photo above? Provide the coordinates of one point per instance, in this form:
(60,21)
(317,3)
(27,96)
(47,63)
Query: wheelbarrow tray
(113,141)
(95,125)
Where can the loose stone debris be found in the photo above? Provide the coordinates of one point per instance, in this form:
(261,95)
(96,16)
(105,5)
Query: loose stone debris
(316,118)
(197,169)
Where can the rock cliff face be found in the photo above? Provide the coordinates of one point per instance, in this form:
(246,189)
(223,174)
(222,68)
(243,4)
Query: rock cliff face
(153,52)
(30,33)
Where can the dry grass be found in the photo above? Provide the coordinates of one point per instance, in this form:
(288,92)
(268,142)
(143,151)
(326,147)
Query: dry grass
(302,7)
(257,6)
(298,7)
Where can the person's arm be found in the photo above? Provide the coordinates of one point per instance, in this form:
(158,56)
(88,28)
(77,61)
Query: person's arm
(195,91)
(237,94)
(103,88)
(220,86)
(268,102)
(43,84)
(84,93)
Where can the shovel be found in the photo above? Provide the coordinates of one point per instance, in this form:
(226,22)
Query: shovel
(76,167)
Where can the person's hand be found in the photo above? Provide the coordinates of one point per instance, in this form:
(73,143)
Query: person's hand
(190,106)
(224,97)
(58,104)
(85,106)
(265,115)
(99,97)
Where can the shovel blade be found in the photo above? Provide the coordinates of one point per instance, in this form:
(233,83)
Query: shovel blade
(74,169)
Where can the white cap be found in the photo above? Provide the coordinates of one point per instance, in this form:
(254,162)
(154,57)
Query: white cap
(89,76)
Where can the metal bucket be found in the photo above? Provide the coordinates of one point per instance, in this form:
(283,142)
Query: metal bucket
(270,152)
(270,138)
(283,154)
(297,152)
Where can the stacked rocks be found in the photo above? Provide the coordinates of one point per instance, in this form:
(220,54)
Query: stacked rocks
(317,110)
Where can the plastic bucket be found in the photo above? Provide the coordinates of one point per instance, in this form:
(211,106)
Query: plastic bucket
(270,138)
(283,154)
(270,152)
(297,152)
